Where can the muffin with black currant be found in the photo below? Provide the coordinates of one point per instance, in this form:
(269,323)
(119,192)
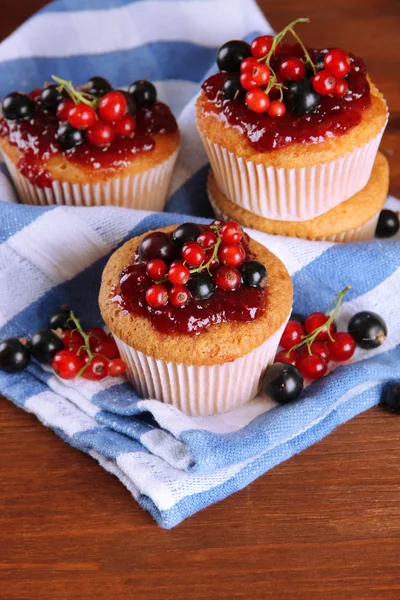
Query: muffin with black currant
(197,312)
(290,131)
(90,145)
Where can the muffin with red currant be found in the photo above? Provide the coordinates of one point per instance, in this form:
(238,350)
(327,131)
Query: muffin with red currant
(197,312)
(290,132)
(353,220)
(91,145)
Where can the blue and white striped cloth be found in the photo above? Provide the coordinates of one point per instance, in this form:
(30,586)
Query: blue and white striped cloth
(172,464)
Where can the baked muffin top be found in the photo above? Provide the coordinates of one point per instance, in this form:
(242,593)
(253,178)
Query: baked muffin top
(220,313)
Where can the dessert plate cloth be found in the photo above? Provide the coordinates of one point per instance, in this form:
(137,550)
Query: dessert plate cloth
(172,464)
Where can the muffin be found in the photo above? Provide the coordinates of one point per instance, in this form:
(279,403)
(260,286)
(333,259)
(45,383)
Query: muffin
(290,133)
(353,220)
(90,146)
(197,312)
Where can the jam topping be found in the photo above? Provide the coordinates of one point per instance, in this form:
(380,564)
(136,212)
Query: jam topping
(36,140)
(212,293)
(333,117)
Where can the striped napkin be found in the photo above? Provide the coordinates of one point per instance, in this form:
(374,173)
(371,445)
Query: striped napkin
(173,465)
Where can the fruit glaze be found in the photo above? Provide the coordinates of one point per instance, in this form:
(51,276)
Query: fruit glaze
(92,126)
(193,278)
(278,94)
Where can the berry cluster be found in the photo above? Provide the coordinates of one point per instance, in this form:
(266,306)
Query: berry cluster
(72,352)
(93,112)
(310,343)
(193,261)
(273,83)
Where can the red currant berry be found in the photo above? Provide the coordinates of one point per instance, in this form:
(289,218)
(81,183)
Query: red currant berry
(341,88)
(261,45)
(312,367)
(247,81)
(324,83)
(71,336)
(292,69)
(116,367)
(126,127)
(337,62)
(248,64)
(100,134)
(36,93)
(157,296)
(231,255)
(63,109)
(66,364)
(258,101)
(316,320)
(319,348)
(342,347)
(276,109)
(292,334)
(207,239)
(96,369)
(82,116)
(261,74)
(156,269)
(214,264)
(193,254)
(179,296)
(107,348)
(178,273)
(112,107)
(97,333)
(292,357)
(227,278)
(231,233)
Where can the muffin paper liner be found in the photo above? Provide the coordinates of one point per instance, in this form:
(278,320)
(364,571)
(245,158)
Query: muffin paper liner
(147,190)
(204,390)
(358,234)
(291,194)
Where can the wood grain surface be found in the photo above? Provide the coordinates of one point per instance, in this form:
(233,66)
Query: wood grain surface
(322,526)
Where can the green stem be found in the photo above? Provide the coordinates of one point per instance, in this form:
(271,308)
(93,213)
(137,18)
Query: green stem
(75,95)
(309,339)
(86,339)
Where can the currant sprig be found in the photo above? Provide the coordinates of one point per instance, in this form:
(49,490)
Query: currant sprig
(311,337)
(78,96)
(73,319)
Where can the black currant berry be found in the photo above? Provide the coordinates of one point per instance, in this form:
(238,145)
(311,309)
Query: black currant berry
(157,245)
(68,137)
(97,86)
(45,344)
(187,232)
(299,317)
(14,356)
(391,398)
(201,286)
(130,102)
(282,383)
(388,224)
(231,54)
(60,319)
(368,329)
(301,98)
(253,273)
(143,92)
(232,89)
(50,98)
(18,106)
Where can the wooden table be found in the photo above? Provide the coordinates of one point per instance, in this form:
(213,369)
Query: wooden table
(324,525)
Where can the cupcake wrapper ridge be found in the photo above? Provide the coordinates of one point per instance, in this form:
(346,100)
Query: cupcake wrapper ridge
(200,390)
(147,190)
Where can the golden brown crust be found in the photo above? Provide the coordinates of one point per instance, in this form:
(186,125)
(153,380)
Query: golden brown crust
(64,170)
(219,343)
(215,127)
(353,213)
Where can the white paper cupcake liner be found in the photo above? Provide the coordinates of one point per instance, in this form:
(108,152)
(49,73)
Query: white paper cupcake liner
(204,390)
(358,234)
(291,194)
(147,190)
